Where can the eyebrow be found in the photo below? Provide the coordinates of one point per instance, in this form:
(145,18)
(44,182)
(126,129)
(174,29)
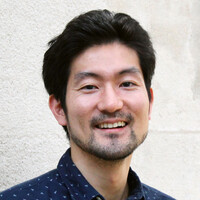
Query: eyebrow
(82,75)
(132,70)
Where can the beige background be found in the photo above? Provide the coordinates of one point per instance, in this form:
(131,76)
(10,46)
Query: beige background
(31,142)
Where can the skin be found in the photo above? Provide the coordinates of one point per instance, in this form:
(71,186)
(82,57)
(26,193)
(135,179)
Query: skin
(106,85)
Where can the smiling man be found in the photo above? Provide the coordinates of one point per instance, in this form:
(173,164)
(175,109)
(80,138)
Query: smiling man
(98,74)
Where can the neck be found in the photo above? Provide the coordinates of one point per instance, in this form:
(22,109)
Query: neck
(109,178)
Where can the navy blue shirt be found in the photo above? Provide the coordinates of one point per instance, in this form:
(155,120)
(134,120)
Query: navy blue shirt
(67,182)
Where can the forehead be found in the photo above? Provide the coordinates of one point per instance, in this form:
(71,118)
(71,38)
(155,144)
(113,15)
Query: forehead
(108,59)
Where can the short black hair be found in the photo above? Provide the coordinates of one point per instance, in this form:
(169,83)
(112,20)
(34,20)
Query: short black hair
(95,27)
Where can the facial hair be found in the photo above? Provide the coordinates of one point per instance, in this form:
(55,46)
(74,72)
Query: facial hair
(115,151)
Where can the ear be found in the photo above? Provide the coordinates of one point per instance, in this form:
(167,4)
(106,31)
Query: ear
(57,110)
(151,103)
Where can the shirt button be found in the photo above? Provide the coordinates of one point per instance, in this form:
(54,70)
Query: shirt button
(98,198)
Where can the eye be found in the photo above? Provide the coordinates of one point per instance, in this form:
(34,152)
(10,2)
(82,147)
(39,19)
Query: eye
(89,87)
(127,84)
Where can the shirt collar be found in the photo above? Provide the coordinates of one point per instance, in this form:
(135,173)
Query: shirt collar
(135,186)
(78,186)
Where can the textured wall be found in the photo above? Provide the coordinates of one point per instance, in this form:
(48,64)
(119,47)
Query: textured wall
(31,142)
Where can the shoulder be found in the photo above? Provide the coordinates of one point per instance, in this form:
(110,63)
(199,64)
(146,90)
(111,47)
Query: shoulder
(152,193)
(37,188)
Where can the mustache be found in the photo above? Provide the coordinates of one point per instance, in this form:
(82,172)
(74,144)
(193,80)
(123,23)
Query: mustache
(102,117)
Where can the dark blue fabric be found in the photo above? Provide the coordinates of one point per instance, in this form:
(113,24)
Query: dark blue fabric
(66,182)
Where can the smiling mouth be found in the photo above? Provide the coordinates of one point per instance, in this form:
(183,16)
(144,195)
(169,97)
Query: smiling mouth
(119,124)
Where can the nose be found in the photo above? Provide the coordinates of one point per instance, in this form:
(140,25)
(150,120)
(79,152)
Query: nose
(110,101)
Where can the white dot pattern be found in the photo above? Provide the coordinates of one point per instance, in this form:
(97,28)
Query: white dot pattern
(66,182)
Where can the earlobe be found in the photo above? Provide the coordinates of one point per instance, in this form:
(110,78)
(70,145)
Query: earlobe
(57,110)
(151,103)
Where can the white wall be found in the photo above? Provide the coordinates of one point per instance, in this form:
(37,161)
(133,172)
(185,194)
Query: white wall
(31,142)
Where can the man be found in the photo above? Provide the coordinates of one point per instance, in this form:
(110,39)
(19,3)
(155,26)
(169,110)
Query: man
(98,74)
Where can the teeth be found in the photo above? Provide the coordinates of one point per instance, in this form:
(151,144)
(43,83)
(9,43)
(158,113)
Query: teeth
(115,124)
(110,125)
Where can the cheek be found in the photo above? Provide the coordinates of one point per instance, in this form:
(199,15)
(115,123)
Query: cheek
(79,115)
(140,110)
(80,106)
(138,103)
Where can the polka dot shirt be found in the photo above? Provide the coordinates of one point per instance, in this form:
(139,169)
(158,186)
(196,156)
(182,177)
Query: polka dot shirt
(67,183)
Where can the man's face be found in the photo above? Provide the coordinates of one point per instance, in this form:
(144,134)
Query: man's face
(107,103)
